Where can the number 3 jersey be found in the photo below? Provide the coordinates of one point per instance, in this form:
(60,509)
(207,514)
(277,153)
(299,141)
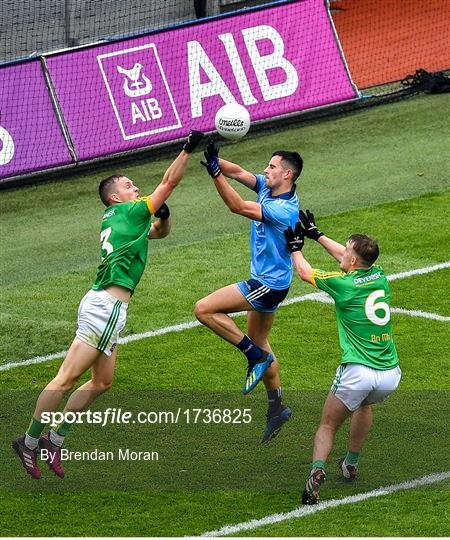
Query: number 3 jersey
(124,244)
(362,299)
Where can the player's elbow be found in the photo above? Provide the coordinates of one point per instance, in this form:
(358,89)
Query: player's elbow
(160,229)
(237,206)
(304,275)
(165,228)
(303,270)
(158,234)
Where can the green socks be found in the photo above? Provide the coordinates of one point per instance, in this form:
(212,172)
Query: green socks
(63,428)
(35,428)
(318,464)
(33,433)
(352,458)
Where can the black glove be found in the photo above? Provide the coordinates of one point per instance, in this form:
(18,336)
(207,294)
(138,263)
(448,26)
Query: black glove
(163,212)
(309,224)
(193,139)
(295,238)
(212,165)
(212,151)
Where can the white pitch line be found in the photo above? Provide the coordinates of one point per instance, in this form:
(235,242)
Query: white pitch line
(419,271)
(419,313)
(320,297)
(316,296)
(31,361)
(332,503)
(153,333)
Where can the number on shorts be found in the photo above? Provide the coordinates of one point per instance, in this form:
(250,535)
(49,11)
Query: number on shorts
(371,306)
(104,236)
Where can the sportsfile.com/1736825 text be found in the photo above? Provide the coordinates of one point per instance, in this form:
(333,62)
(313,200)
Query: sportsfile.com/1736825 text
(113,415)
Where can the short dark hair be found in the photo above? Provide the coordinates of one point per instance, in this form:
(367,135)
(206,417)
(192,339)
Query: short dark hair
(293,160)
(365,247)
(105,187)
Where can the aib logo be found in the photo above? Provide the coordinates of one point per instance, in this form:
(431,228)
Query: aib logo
(135,83)
(6,146)
(139,92)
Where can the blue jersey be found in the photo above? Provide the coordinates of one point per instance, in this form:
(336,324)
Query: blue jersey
(271,260)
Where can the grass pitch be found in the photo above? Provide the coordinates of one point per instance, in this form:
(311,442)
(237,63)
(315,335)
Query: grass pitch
(384,172)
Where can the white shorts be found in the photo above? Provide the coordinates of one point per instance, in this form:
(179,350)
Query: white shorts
(101,317)
(355,383)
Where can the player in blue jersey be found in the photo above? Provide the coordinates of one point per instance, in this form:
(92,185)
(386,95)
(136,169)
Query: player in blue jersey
(270,271)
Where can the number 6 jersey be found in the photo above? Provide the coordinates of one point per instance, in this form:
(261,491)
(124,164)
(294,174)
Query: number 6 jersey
(362,299)
(124,244)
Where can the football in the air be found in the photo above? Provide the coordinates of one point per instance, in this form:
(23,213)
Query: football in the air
(232,121)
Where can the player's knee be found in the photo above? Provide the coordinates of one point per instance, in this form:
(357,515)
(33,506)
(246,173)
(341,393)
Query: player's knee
(328,425)
(201,310)
(101,386)
(63,383)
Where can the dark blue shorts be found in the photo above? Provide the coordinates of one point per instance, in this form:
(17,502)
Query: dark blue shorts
(260,297)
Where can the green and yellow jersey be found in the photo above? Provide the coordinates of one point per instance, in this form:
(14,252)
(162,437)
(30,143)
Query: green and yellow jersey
(124,244)
(362,299)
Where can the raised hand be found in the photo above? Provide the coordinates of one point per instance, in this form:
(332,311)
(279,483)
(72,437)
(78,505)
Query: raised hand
(193,140)
(309,225)
(295,238)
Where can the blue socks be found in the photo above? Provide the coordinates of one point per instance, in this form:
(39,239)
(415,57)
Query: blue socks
(251,351)
(274,399)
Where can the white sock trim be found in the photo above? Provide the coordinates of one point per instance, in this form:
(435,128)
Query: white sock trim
(56,438)
(31,442)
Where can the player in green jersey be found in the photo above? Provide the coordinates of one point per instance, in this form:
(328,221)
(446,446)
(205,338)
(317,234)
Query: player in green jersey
(125,231)
(369,370)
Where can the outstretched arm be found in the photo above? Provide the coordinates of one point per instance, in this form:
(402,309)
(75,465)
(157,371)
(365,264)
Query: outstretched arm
(232,170)
(175,171)
(235,202)
(335,249)
(302,267)
(229,169)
